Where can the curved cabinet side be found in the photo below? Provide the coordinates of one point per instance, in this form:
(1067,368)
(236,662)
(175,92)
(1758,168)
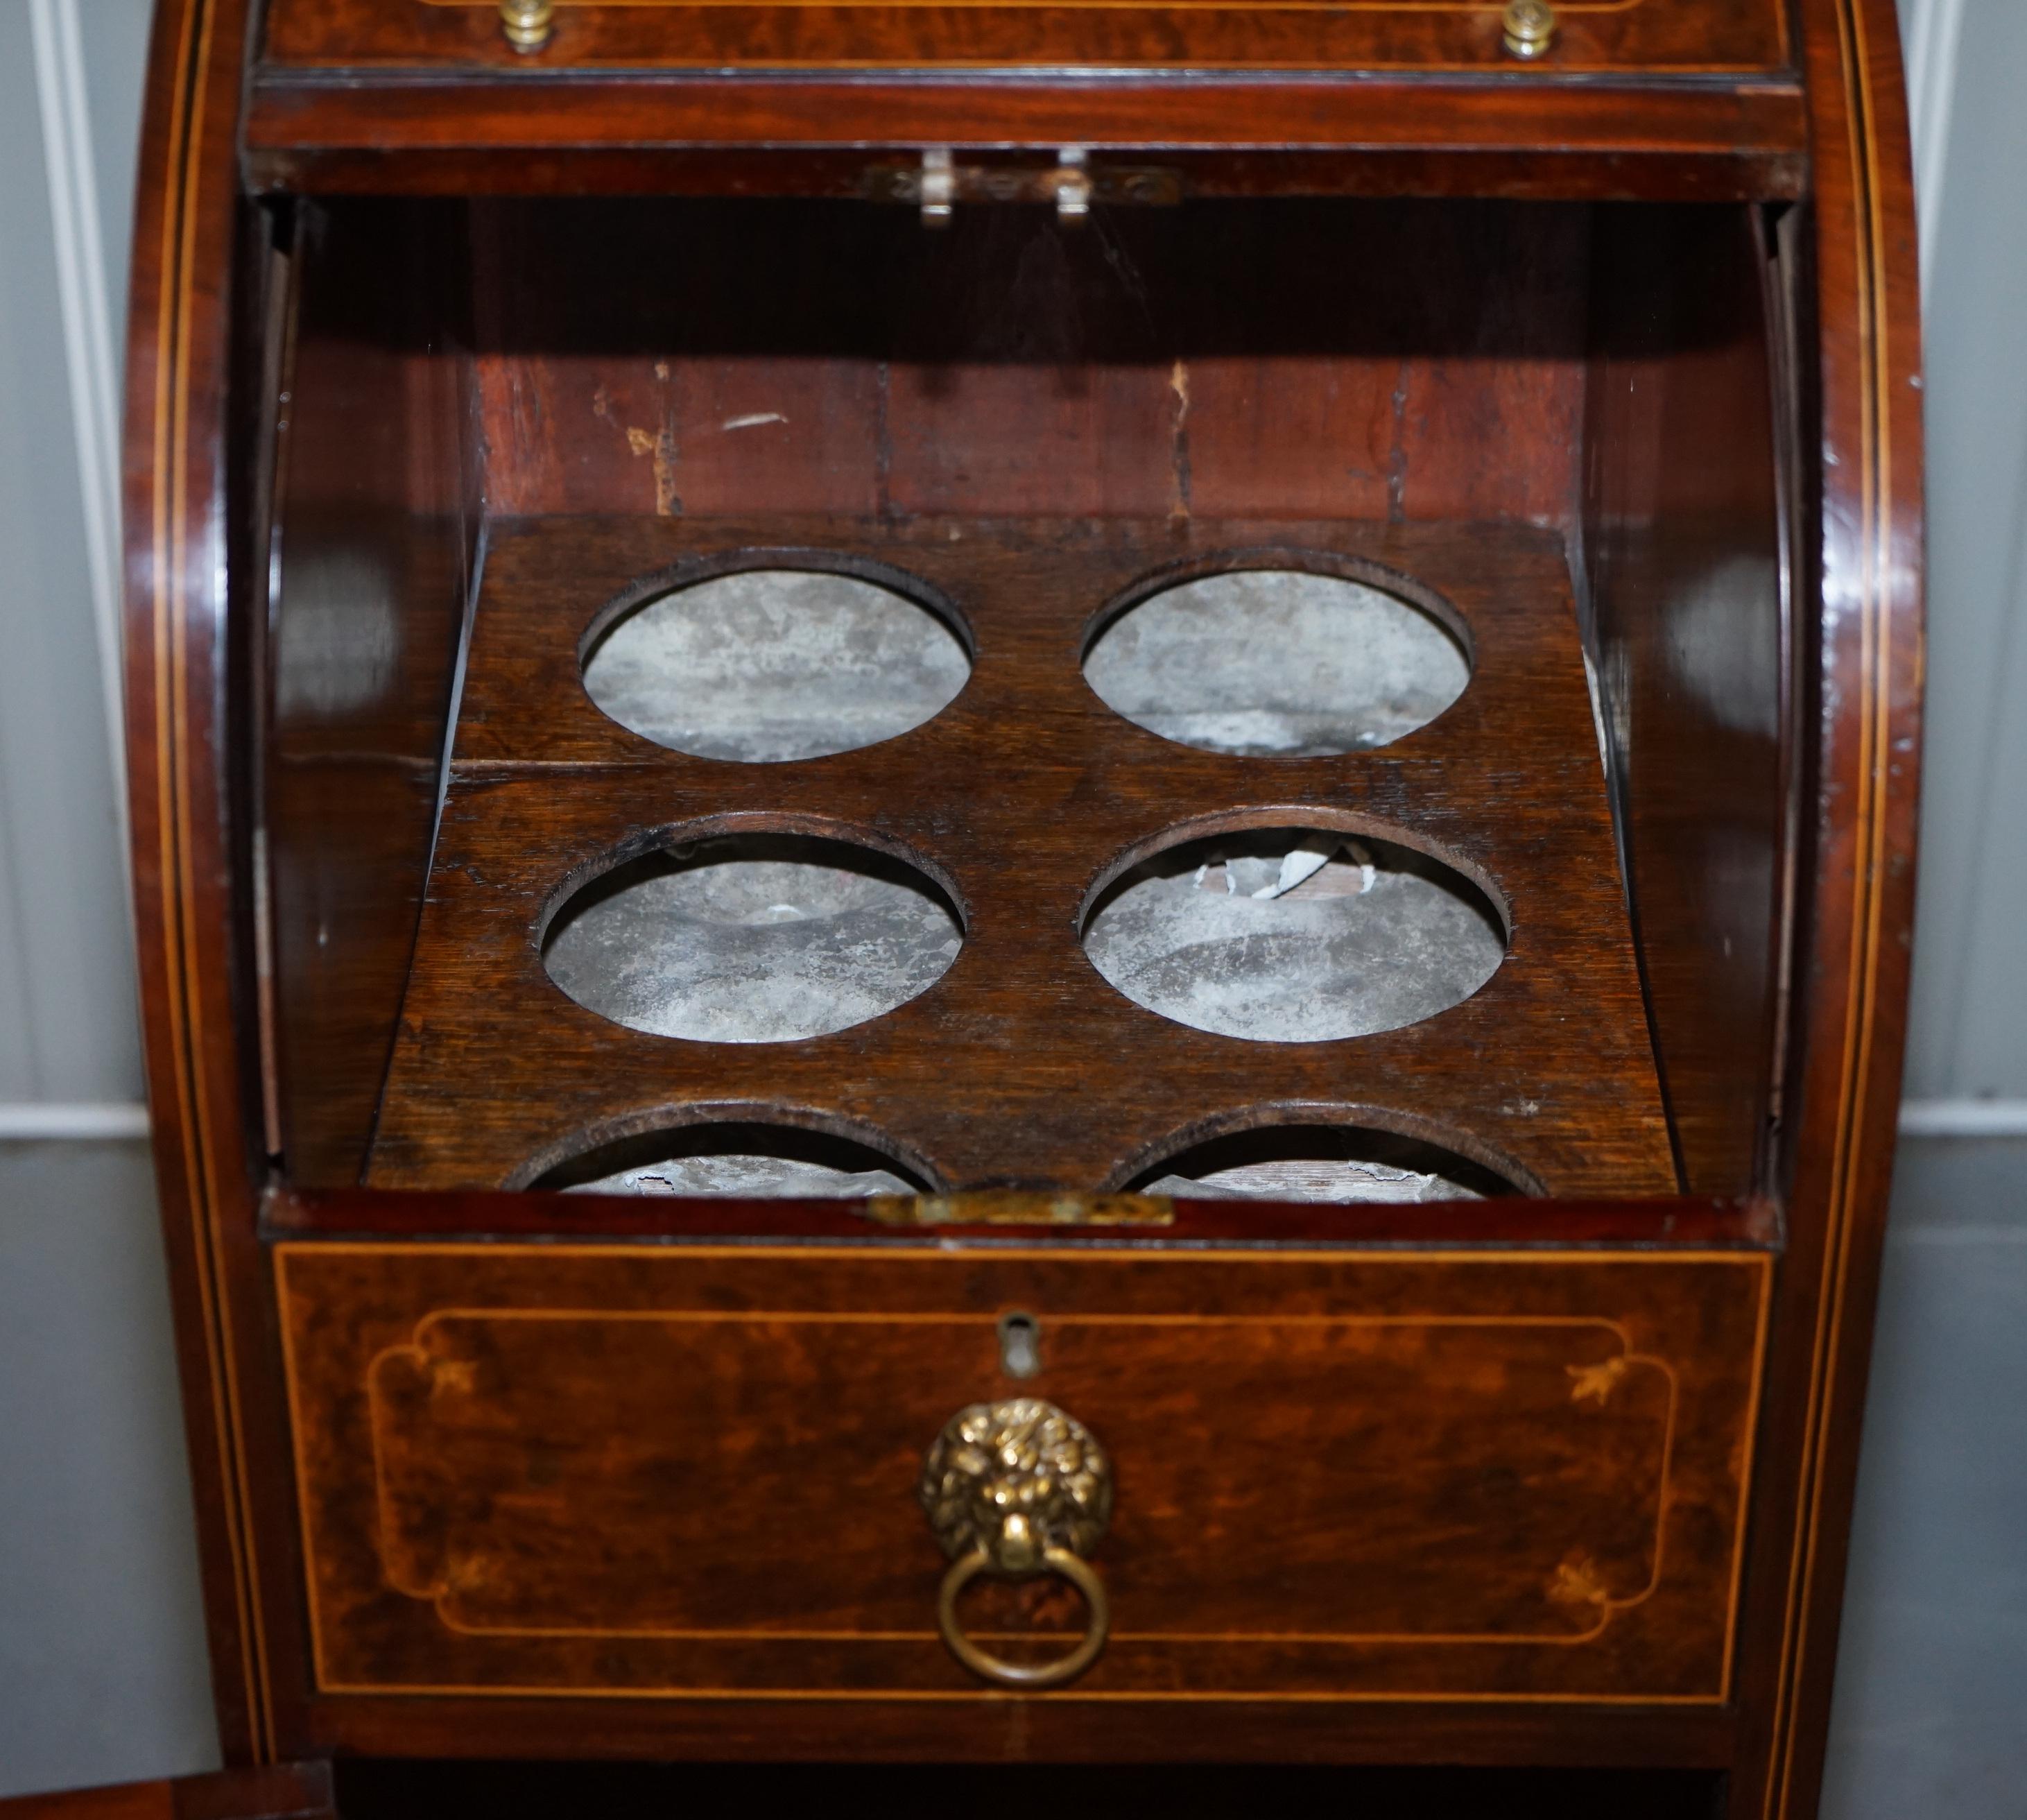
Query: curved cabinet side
(178,528)
(1861,682)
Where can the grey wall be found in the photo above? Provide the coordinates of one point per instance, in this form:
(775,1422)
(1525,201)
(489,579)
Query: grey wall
(101,1670)
(1931,1716)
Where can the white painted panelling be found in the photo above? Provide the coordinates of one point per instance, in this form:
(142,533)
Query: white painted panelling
(66,994)
(113,35)
(78,244)
(1968,1038)
(1932,32)
(16,1063)
(1991,1052)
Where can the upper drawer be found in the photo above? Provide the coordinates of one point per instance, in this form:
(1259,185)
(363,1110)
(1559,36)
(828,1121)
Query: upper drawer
(1628,37)
(698,1470)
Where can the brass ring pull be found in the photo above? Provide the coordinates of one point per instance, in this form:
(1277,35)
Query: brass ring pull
(1017,1489)
(1073,1568)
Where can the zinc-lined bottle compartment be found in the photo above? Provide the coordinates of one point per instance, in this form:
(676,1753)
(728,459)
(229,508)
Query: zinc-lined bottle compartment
(1026,708)
(1025,941)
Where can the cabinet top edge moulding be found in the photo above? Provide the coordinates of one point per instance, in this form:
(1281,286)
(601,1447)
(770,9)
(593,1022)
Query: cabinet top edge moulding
(1594,98)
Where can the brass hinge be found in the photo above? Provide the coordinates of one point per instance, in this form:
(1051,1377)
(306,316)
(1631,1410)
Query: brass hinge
(1021,1209)
(1071,185)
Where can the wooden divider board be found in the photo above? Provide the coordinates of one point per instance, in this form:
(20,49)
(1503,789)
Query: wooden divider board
(1020,1066)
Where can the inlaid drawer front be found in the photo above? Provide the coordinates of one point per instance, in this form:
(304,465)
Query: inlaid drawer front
(698,1470)
(534,38)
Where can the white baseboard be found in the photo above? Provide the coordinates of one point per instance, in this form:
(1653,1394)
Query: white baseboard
(1963,1118)
(30,1121)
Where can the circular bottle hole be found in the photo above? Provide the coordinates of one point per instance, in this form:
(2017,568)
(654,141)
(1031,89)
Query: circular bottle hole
(1294,935)
(1341,1163)
(766,665)
(1277,662)
(752,938)
(733,1159)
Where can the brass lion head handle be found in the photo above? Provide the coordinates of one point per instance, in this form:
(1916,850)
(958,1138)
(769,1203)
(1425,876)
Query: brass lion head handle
(1016,1490)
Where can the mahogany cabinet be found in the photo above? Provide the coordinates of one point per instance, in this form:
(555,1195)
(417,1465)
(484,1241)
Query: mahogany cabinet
(1026,882)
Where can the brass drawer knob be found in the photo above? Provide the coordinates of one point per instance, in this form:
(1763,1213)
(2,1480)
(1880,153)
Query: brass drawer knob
(1017,1489)
(528,25)
(1531,27)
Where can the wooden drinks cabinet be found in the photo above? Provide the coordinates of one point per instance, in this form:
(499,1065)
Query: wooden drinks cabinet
(1026,882)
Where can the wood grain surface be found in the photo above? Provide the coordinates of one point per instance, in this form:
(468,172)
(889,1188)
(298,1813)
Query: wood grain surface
(1506,1220)
(277,1791)
(373,542)
(603,1469)
(1691,505)
(387,94)
(1860,653)
(686,135)
(1020,1066)
(1623,37)
(189,585)
(1340,359)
